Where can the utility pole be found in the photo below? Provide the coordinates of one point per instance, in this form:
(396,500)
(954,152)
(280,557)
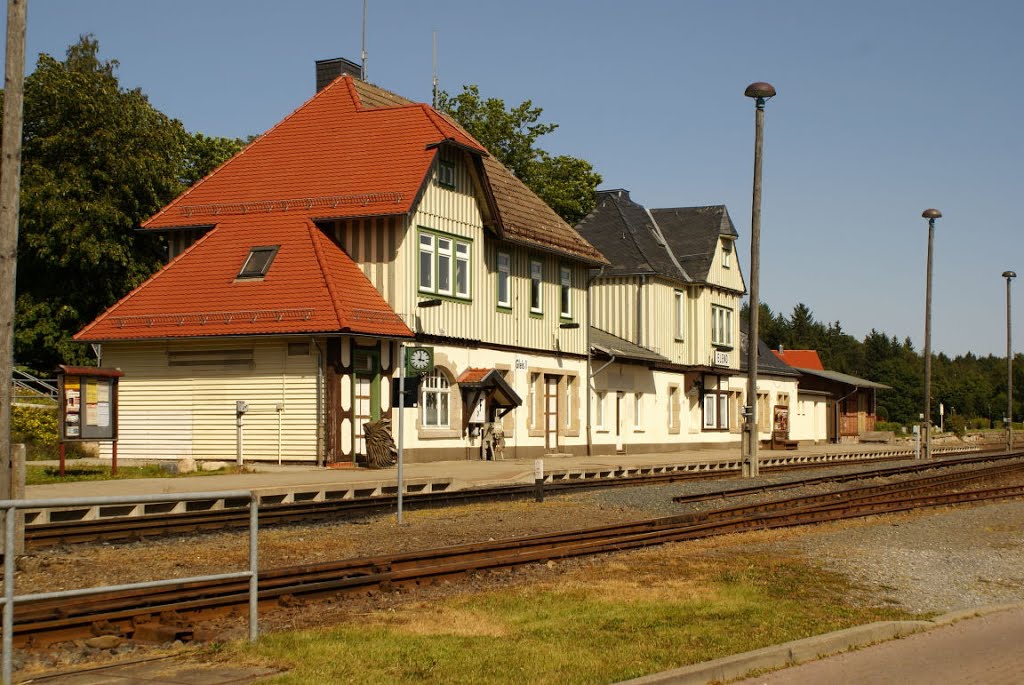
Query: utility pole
(10,189)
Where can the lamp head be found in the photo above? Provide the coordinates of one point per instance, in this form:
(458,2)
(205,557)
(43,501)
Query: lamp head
(760,90)
(1009,274)
(931,214)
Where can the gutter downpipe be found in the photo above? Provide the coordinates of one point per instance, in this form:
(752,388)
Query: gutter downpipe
(590,376)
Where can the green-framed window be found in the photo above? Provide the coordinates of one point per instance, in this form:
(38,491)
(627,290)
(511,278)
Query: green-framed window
(503,267)
(536,286)
(445,265)
(565,291)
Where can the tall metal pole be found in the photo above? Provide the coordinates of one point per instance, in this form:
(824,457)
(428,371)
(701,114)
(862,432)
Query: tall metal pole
(401,429)
(10,191)
(931,215)
(761,92)
(1009,276)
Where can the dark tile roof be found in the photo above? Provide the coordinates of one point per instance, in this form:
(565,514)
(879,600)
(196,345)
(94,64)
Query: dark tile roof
(693,233)
(608,344)
(767,363)
(677,243)
(623,229)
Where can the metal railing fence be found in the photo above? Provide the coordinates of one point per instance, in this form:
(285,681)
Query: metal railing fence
(10,512)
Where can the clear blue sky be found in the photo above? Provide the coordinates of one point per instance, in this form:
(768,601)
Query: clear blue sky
(884,109)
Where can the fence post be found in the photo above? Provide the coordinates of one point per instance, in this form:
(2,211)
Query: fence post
(18,492)
(254,579)
(10,518)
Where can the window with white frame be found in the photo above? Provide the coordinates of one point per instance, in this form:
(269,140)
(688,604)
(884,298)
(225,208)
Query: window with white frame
(504,276)
(444,264)
(565,291)
(426,262)
(721,326)
(680,314)
(435,398)
(599,410)
(462,270)
(536,280)
(638,411)
(726,253)
(716,411)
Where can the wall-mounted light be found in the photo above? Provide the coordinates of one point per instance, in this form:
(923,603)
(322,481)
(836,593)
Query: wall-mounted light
(569,326)
(436,302)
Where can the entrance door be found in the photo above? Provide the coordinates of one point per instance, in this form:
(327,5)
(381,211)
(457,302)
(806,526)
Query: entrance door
(551,413)
(619,447)
(365,395)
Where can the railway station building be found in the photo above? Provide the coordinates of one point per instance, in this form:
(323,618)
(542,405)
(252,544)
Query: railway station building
(359,224)
(364,225)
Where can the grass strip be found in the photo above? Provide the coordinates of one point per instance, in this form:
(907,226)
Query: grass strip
(603,621)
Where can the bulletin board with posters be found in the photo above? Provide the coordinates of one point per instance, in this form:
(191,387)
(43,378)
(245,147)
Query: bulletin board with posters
(88,403)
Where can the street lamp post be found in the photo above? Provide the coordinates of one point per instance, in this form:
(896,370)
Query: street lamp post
(931,215)
(1009,276)
(760,92)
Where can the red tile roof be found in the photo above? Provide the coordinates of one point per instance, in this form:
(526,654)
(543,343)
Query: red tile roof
(800,359)
(311,286)
(473,375)
(330,158)
(333,157)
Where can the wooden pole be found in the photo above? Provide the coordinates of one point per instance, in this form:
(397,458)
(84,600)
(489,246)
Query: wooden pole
(10,189)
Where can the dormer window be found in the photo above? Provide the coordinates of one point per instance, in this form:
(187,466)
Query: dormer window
(446,174)
(726,253)
(258,262)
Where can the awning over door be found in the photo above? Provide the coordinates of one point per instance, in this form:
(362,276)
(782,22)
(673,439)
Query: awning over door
(490,384)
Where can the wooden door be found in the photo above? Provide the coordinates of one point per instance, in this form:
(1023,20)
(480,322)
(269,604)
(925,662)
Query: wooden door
(619,447)
(551,413)
(365,395)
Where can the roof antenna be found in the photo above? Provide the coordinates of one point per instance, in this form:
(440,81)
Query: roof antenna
(363,70)
(433,102)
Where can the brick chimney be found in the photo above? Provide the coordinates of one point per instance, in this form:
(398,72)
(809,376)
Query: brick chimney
(329,69)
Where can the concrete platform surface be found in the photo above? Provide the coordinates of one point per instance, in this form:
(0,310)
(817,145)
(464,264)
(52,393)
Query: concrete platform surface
(460,474)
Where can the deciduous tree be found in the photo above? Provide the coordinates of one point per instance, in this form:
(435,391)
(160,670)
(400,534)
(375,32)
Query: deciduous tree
(565,183)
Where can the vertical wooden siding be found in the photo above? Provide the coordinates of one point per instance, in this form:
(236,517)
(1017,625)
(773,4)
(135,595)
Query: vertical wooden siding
(171,412)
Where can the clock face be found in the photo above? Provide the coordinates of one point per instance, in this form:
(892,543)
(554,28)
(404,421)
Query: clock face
(420,359)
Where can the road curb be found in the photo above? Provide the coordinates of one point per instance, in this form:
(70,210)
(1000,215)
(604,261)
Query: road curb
(807,649)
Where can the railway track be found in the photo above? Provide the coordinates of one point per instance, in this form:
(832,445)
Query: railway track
(132,528)
(51,620)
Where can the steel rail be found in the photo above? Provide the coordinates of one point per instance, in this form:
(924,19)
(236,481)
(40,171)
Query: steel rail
(421,566)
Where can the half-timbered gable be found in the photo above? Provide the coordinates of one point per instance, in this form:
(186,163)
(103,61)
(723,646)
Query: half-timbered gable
(298,268)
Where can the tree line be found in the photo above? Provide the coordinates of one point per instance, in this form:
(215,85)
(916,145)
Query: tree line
(969,387)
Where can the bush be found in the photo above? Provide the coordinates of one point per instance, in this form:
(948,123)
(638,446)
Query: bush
(980,423)
(957,424)
(896,428)
(37,428)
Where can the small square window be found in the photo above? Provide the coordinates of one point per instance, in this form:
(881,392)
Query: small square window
(258,262)
(446,174)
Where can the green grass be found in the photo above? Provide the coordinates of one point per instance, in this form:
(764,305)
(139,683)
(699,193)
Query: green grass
(44,475)
(624,617)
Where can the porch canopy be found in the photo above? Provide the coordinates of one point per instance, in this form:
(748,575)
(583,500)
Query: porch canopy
(491,385)
(845,378)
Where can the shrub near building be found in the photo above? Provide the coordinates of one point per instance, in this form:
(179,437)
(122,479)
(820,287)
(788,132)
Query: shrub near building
(37,428)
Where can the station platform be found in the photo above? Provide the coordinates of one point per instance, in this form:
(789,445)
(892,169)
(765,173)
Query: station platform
(308,483)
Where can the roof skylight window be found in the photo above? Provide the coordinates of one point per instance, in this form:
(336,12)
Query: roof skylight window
(258,262)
